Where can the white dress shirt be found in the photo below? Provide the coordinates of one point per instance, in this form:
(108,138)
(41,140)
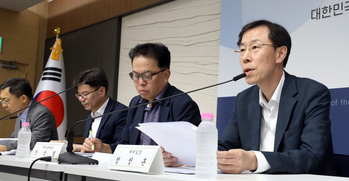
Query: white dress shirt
(270,112)
(97,121)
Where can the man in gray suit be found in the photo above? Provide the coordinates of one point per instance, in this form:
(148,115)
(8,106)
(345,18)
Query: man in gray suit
(16,95)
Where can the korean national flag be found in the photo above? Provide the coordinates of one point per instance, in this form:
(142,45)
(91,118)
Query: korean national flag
(52,82)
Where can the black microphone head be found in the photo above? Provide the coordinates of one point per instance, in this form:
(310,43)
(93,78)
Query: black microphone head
(239,76)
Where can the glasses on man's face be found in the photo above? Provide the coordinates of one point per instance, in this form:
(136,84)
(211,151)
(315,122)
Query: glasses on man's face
(85,94)
(5,102)
(253,48)
(146,76)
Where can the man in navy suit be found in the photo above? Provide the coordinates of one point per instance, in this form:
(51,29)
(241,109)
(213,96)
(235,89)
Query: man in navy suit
(150,74)
(93,96)
(281,124)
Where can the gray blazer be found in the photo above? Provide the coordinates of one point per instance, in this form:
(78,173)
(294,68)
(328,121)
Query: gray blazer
(42,124)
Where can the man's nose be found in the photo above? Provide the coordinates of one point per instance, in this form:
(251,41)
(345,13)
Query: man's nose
(141,81)
(81,99)
(246,57)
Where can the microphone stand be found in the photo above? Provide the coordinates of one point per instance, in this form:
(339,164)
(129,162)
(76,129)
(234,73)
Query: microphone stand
(72,158)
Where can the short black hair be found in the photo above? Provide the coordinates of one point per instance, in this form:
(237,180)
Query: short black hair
(278,35)
(18,86)
(95,77)
(158,51)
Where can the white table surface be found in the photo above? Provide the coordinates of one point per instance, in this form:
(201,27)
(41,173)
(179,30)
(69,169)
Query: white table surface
(101,171)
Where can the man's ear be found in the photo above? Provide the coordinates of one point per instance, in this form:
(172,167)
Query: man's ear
(281,54)
(103,91)
(167,74)
(23,98)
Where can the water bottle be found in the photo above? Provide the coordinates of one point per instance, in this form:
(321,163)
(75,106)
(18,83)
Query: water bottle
(24,138)
(206,148)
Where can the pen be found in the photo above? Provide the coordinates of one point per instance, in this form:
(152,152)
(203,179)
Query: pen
(91,137)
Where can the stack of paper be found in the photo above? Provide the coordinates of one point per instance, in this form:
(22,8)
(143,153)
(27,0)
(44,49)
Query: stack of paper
(177,138)
(8,141)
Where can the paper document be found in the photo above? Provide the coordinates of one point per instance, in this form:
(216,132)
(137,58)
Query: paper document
(102,157)
(8,141)
(182,170)
(11,152)
(177,138)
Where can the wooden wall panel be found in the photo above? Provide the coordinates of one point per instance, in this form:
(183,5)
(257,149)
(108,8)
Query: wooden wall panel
(21,40)
(71,15)
(41,10)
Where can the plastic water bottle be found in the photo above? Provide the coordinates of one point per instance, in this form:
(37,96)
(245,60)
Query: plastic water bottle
(206,148)
(24,138)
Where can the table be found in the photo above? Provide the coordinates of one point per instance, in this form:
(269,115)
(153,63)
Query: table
(13,169)
(101,173)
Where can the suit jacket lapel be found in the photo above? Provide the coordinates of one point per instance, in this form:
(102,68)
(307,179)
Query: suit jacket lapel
(30,111)
(165,106)
(164,111)
(138,119)
(254,119)
(109,108)
(287,103)
(88,126)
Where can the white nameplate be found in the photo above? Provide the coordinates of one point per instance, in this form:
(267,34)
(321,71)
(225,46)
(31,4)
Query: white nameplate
(42,149)
(138,158)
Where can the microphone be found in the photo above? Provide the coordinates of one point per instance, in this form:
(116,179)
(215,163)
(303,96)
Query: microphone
(13,117)
(8,116)
(72,158)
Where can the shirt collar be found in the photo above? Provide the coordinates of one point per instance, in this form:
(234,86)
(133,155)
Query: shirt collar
(275,99)
(100,111)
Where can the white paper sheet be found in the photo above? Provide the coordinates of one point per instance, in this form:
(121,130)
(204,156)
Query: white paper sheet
(102,157)
(177,138)
(8,141)
(11,152)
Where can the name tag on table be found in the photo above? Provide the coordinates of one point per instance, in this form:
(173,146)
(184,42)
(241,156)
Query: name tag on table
(138,158)
(42,149)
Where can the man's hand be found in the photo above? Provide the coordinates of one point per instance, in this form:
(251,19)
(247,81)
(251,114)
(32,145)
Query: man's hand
(87,145)
(3,148)
(99,146)
(236,161)
(169,161)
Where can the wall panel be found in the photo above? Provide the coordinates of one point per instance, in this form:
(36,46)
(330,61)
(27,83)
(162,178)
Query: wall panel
(70,15)
(190,29)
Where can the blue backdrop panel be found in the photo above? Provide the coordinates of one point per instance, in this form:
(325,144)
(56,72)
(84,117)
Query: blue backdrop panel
(340,120)
(225,106)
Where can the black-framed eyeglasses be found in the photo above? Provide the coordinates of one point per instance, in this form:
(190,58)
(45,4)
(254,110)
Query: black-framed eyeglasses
(253,48)
(85,94)
(5,102)
(146,76)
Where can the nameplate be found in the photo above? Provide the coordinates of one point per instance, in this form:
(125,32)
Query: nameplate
(138,158)
(42,149)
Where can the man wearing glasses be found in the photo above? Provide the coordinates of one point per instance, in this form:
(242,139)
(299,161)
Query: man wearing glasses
(150,74)
(16,96)
(281,124)
(93,96)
